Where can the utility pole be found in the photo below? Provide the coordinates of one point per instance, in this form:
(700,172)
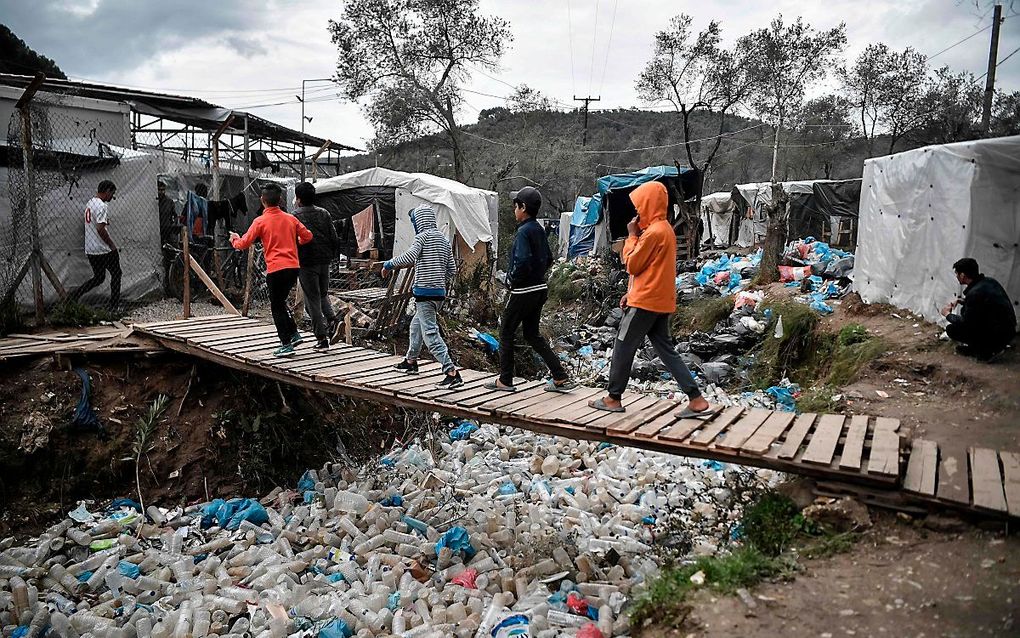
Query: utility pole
(301,98)
(586,100)
(993,53)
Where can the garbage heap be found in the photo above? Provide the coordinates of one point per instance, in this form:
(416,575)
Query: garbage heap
(501,532)
(822,273)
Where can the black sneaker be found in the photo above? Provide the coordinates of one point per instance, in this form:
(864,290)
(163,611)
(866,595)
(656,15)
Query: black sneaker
(450,381)
(407,366)
(321,345)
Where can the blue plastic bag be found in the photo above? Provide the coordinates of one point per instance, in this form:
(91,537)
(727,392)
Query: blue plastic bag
(456,538)
(507,489)
(491,343)
(229,514)
(396,500)
(784,398)
(124,502)
(336,578)
(335,628)
(129,570)
(463,431)
(306,483)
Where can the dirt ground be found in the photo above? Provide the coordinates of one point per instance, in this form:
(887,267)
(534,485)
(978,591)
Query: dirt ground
(900,580)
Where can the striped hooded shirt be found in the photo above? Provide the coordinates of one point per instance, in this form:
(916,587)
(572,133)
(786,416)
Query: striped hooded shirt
(430,252)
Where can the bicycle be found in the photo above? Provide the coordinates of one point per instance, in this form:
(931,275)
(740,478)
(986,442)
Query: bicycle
(233,267)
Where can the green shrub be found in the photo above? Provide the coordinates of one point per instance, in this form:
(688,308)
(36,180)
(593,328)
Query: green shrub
(701,314)
(11,319)
(771,523)
(74,313)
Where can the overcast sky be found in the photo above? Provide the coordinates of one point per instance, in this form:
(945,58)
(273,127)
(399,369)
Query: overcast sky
(229,53)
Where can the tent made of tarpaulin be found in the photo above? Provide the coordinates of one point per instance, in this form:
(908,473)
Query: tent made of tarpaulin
(717,219)
(133,215)
(921,210)
(467,215)
(587,235)
(818,208)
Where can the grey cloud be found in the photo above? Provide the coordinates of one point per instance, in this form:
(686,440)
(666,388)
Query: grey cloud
(120,35)
(246,46)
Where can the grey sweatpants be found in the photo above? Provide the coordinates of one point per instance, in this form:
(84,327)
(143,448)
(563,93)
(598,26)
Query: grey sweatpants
(635,326)
(315,283)
(425,327)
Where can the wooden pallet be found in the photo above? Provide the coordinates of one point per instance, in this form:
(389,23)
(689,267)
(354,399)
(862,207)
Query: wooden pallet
(855,450)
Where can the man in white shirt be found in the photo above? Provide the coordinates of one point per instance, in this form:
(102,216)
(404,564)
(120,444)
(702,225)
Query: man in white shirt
(99,247)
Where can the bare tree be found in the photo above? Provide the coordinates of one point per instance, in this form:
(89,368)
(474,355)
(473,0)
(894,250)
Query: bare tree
(409,58)
(525,98)
(783,60)
(823,133)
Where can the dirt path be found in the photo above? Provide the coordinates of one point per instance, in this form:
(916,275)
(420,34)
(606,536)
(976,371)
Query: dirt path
(898,581)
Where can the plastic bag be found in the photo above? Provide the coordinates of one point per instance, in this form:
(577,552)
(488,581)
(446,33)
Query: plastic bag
(589,631)
(794,273)
(466,578)
(129,570)
(457,539)
(335,628)
(229,514)
(463,430)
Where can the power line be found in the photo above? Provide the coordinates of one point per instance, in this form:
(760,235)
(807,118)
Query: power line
(981,30)
(1012,53)
(609,44)
(570,37)
(594,39)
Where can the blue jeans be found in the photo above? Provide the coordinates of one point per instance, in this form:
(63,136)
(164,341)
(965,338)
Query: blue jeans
(425,326)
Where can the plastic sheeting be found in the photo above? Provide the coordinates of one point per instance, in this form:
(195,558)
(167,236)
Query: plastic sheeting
(587,235)
(470,212)
(717,211)
(921,210)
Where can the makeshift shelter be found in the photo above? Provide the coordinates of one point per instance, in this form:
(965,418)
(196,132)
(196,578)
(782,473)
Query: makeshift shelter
(824,209)
(923,209)
(467,215)
(604,216)
(718,212)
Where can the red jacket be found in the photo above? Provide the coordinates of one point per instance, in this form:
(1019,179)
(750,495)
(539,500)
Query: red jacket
(280,233)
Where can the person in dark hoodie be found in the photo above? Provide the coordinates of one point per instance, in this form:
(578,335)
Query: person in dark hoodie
(315,257)
(987,321)
(530,259)
(432,257)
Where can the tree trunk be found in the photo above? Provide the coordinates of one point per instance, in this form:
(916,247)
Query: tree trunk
(454,131)
(775,150)
(775,236)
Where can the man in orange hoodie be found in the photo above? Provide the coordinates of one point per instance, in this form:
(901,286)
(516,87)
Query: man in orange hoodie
(280,233)
(649,255)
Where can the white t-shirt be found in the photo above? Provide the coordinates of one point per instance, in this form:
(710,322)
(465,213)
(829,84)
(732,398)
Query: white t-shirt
(95,213)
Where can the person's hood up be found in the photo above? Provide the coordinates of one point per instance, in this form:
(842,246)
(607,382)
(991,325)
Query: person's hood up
(650,200)
(423,218)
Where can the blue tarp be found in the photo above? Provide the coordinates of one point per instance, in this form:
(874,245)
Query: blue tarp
(229,514)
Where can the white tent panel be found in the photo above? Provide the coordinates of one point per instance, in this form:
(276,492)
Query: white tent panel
(921,210)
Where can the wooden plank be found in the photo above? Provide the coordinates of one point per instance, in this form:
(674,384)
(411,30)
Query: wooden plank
(371,377)
(174,322)
(823,442)
(189,326)
(309,362)
(630,422)
(557,402)
(245,333)
(665,421)
(716,426)
(954,477)
(216,329)
(796,435)
(496,399)
(853,445)
(1011,481)
(884,456)
(470,388)
(683,428)
(339,373)
(773,427)
(412,384)
(921,468)
(600,418)
(986,480)
(213,288)
(743,429)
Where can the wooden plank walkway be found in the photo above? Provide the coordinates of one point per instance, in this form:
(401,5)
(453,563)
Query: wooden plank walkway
(860,450)
(94,340)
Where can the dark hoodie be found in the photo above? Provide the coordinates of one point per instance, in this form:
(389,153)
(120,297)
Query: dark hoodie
(430,253)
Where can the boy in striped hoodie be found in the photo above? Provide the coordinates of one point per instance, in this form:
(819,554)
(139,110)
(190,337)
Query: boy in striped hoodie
(432,256)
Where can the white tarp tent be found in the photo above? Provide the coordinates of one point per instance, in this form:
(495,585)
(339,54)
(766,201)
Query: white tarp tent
(921,210)
(460,210)
(717,210)
(753,222)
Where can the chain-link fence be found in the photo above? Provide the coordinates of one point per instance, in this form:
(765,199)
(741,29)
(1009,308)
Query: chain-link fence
(89,224)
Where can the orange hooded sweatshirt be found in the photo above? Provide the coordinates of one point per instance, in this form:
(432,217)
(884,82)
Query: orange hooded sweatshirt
(651,258)
(280,233)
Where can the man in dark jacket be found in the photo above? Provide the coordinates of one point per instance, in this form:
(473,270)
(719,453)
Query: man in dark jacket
(530,258)
(987,321)
(315,258)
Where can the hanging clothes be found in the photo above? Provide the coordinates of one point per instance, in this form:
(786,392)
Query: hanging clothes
(364,229)
(238,204)
(218,210)
(196,214)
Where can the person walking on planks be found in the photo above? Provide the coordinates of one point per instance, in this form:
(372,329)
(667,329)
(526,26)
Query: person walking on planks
(432,257)
(315,257)
(280,233)
(100,250)
(649,255)
(530,259)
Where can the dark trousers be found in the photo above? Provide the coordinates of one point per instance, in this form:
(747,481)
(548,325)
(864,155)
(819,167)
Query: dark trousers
(983,342)
(635,326)
(525,311)
(315,283)
(100,265)
(280,283)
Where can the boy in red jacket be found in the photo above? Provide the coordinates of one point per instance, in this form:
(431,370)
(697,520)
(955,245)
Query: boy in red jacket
(280,233)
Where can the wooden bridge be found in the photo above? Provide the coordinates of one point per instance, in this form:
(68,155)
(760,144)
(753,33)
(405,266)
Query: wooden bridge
(859,450)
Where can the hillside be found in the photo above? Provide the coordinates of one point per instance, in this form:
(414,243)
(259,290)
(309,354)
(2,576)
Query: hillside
(18,57)
(506,150)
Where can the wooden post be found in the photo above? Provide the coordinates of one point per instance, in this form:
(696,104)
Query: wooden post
(187,272)
(246,304)
(24,107)
(207,280)
(215,196)
(315,157)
